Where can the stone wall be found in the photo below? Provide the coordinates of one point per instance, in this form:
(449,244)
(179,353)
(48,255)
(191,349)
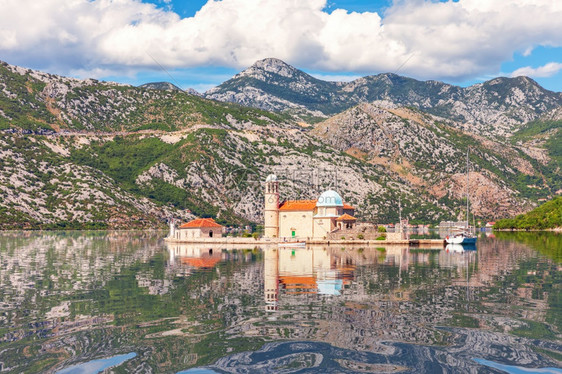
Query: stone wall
(367,232)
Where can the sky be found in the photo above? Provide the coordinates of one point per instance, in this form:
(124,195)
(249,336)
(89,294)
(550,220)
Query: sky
(200,44)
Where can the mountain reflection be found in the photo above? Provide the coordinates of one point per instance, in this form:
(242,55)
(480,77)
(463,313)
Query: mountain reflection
(79,297)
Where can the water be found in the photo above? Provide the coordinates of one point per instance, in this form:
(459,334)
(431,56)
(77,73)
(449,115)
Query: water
(83,302)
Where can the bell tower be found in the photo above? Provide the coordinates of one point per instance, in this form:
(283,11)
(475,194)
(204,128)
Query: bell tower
(271,207)
(271,278)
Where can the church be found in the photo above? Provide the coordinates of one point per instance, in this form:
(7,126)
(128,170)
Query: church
(303,219)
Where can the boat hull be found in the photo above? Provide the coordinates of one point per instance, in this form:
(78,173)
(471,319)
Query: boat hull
(460,240)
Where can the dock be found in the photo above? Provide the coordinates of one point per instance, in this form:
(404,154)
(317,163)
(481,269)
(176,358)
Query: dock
(433,243)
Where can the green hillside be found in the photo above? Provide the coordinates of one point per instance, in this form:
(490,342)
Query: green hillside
(545,135)
(546,216)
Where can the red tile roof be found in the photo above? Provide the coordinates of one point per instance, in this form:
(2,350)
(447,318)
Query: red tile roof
(298,205)
(203,262)
(296,281)
(346,217)
(200,222)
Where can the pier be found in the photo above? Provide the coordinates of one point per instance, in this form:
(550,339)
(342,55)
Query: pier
(272,241)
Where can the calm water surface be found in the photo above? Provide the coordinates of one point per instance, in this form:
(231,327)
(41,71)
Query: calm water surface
(126,301)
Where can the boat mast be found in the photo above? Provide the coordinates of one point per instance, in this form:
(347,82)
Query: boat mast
(400,210)
(467,196)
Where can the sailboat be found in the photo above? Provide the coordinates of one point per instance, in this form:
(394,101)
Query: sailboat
(464,237)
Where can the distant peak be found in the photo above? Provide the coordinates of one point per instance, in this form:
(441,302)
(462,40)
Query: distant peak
(271,61)
(275,66)
(164,86)
(390,75)
(512,80)
(193,91)
(524,78)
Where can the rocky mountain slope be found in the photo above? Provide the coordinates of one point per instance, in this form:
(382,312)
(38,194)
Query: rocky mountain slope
(429,153)
(38,101)
(40,187)
(542,140)
(495,107)
(166,86)
(96,154)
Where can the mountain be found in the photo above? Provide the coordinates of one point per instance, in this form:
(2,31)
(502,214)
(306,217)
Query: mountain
(495,107)
(546,216)
(271,84)
(429,152)
(97,154)
(42,102)
(192,91)
(91,154)
(166,86)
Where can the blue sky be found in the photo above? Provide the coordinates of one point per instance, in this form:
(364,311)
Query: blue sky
(199,44)
(188,8)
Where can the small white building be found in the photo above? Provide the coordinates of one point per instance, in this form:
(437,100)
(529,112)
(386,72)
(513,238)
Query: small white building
(198,228)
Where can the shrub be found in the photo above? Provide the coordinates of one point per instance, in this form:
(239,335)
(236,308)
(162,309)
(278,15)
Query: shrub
(382,237)
(361,236)
(382,229)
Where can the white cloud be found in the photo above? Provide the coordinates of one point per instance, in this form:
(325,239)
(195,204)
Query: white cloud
(545,71)
(452,40)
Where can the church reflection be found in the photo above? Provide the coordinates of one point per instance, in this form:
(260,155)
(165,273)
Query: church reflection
(320,270)
(193,255)
(327,271)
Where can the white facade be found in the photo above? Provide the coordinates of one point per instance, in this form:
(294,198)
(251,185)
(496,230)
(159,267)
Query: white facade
(302,218)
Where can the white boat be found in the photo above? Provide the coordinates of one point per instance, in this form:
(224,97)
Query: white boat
(461,238)
(454,248)
(465,236)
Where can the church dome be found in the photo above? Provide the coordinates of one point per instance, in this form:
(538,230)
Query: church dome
(271,178)
(330,198)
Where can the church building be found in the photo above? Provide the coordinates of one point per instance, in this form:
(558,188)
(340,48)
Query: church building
(304,218)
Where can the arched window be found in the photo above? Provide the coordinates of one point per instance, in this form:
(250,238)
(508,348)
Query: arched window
(211,234)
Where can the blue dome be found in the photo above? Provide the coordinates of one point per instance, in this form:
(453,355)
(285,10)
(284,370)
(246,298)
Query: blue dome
(330,198)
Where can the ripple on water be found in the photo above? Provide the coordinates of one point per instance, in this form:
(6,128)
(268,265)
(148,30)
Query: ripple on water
(97,366)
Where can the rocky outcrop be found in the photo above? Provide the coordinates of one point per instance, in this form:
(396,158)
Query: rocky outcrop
(165,86)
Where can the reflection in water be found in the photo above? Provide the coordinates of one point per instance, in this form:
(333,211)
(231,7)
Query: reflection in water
(317,357)
(517,369)
(74,298)
(97,366)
